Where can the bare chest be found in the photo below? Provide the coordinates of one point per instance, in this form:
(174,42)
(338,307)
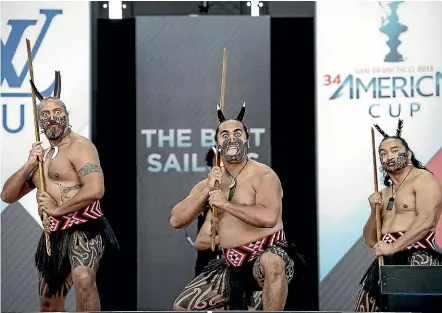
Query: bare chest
(401,201)
(241,191)
(59,169)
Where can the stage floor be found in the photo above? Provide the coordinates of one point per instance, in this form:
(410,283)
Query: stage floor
(228,311)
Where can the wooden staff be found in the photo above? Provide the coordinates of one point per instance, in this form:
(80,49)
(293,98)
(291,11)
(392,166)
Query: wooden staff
(223,81)
(37,139)
(214,208)
(376,188)
(217,157)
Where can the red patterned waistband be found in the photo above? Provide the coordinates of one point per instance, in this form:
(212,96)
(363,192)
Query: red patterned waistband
(92,212)
(425,243)
(236,257)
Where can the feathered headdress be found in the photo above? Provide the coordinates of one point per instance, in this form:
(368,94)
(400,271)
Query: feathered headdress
(57,88)
(240,116)
(400,125)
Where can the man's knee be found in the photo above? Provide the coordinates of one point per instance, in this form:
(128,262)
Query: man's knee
(83,278)
(51,304)
(273,266)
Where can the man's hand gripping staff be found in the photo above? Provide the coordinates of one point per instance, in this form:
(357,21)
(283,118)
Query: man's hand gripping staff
(214,220)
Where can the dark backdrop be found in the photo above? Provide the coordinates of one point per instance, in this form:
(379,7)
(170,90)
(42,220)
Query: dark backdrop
(114,134)
(292,129)
(293,143)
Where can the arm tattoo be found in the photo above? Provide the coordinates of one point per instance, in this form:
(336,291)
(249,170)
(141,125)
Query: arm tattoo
(64,190)
(89,168)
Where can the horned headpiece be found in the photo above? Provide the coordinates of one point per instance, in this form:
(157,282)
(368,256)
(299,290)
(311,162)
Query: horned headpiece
(240,116)
(400,125)
(57,88)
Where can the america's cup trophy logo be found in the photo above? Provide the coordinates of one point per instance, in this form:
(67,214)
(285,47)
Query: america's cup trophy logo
(393,29)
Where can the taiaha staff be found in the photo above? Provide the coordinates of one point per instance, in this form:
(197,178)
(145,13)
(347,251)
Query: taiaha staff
(37,139)
(223,81)
(217,156)
(214,228)
(376,188)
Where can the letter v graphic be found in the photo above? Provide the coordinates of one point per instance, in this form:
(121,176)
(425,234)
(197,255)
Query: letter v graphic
(9,49)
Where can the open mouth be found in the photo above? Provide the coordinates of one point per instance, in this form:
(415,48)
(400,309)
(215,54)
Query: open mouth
(232,150)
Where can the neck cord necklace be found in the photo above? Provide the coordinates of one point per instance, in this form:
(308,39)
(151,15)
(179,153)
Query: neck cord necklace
(391,199)
(233,182)
(55,147)
(232,186)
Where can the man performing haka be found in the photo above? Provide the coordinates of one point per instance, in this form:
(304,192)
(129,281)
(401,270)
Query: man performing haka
(250,229)
(78,230)
(203,240)
(411,205)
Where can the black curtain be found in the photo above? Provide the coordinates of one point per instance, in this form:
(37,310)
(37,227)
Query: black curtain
(114,134)
(293,144)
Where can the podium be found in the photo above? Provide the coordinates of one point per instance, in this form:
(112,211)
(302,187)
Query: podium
(411,288)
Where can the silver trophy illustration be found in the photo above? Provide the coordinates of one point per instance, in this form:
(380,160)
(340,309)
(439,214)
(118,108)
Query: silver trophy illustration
(393,29)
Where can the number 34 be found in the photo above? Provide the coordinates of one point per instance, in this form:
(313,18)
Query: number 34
(328,80)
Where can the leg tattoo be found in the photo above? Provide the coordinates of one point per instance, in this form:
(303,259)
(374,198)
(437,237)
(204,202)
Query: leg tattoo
(85,256)
(86,252)
(365,302)
(201,295)
(273,270)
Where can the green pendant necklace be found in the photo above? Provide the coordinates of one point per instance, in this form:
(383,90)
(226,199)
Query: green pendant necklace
(391,199)
(232,186)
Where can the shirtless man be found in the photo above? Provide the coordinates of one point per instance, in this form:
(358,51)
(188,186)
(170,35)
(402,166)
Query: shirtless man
(74,185)
(203,240)
(249,226)
(411,204)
